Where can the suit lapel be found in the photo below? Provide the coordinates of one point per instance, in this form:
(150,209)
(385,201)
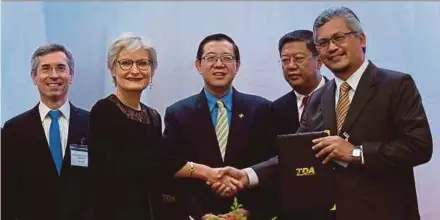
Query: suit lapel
(292,108)
(37,125)
(41,141)
(237,126)
(72,134)
(73,128)
(203,124)
(363,94)
(328,107)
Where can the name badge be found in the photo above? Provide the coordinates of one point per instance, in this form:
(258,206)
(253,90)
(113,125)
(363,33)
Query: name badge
(79,155)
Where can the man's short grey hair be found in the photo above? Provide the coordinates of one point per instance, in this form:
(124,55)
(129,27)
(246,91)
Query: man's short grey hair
(351,20)
(130,42)
(51,48)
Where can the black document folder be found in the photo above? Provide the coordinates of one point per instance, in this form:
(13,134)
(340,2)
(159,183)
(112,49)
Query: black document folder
(306,183)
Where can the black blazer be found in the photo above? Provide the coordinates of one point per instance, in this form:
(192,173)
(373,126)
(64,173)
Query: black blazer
(285,113)
(387,118)
(31,187)
(190,134)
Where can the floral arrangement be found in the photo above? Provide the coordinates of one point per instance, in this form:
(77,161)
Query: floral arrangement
(237,213)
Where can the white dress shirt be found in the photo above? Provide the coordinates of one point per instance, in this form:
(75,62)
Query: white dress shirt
(63,122)
(299,97)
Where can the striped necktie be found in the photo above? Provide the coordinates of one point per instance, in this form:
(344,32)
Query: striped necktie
(343,105)
(222,127)
(305,101)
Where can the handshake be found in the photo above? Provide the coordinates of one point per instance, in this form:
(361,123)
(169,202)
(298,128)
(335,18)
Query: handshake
(226,181)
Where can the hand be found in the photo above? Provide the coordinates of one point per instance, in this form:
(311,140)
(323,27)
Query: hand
(333,147)
(225,185)
(230,173)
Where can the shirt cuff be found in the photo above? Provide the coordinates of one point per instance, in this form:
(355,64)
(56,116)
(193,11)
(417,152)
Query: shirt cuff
(252,176)
(362,154)
(341,163)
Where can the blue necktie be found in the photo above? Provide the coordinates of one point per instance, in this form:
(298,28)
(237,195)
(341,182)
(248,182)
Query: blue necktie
(55,140)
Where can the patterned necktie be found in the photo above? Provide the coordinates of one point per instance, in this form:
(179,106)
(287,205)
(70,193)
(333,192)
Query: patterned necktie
(222,127)
(55,140)
(343,105)
(305,101)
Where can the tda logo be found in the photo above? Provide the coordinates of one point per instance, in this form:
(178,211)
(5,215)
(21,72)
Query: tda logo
(305,171)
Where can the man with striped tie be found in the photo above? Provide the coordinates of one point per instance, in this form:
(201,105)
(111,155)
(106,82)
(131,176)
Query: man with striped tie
(220,127)
(379,129)
(43,177)
(301,69)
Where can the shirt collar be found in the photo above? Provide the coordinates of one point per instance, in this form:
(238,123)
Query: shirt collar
(301,96)
(212,100)
(354,79)
(44,110)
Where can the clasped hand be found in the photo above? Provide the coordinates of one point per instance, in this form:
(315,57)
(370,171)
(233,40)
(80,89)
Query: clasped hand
(227,181)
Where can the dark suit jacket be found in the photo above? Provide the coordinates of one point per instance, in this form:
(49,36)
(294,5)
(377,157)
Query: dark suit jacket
(31,187)
(285,113)
(189,133)
(387,118)
(286,121)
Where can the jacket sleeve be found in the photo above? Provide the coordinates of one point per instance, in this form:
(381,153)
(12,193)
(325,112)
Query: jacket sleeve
(10,180)
(173,144)
(412,143)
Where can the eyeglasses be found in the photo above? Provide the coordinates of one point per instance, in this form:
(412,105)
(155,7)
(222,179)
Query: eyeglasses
(142,64)
(59,68)
(337,39)
(224,58)
(296,60)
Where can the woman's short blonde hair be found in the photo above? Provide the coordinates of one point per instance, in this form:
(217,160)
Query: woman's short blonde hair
(129,41)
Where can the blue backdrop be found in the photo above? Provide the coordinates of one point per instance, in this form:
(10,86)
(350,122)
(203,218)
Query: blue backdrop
(404,36)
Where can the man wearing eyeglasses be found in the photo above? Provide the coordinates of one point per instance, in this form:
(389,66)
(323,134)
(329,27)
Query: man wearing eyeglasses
(43,174)
(220,127)
(301,69)
(377,121)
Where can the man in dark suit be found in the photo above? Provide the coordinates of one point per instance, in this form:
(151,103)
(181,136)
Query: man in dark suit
(301,69)
(43,174)
(378,124)
(219,127)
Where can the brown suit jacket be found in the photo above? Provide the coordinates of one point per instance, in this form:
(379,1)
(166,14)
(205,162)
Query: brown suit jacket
(387,118)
